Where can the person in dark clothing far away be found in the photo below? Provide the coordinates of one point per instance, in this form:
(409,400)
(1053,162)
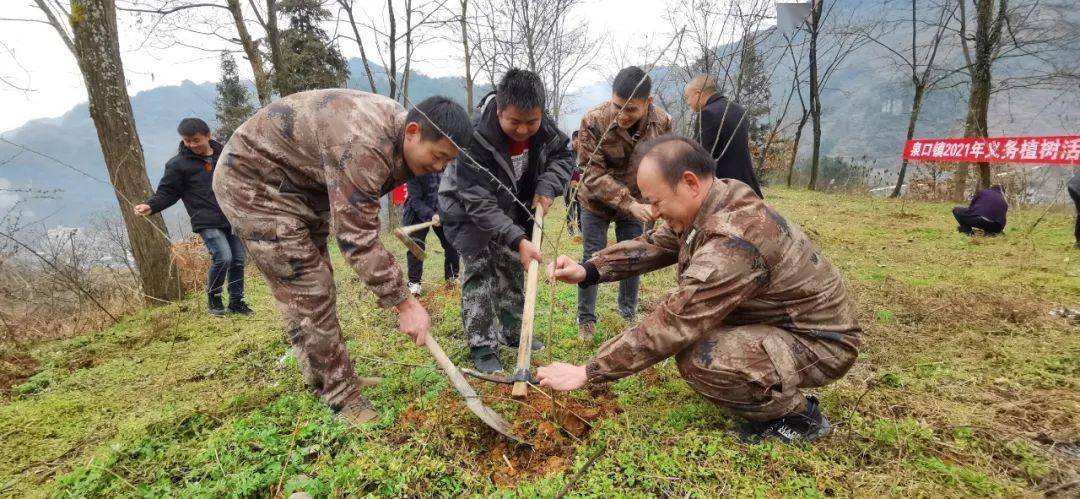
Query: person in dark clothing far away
(721,127)
(422,206)
(987,212)
(1074,193)
(518,159)
(188,177)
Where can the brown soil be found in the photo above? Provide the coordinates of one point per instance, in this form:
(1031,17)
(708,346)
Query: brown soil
(553,429)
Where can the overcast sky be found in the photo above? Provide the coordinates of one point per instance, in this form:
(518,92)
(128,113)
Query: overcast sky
(33,57)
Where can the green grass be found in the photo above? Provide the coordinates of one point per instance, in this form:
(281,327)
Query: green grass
(963,383)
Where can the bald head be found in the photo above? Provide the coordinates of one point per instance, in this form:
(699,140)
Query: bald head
(673,155)
(698,91)
(702,83)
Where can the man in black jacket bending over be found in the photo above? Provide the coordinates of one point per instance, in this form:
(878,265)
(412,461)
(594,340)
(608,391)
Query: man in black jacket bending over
(518,159)
(188,178)
(722,128)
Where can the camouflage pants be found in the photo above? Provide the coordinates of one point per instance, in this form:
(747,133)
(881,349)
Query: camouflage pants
(757,371)
(492,296)
(285,234)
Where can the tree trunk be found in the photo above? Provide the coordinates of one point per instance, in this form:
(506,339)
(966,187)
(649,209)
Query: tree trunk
(408,53)
(815,91)
(360,43)
(262,82)
(987,33)
(468,58)
(273,35)
(916,106)
(795,147)
(392,42)
(97,50)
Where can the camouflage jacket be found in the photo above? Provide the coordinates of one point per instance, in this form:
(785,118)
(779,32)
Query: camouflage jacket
(739,263)
(340,150)
(609,179)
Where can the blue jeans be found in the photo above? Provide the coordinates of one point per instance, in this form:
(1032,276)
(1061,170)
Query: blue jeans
(594,238)
(227,255)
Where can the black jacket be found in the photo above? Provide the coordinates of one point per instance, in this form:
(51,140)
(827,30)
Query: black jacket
(189,178)
(474,208)
(735,163)
(422,203)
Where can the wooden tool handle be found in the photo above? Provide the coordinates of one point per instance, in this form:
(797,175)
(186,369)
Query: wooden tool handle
(524,358)
(413,228)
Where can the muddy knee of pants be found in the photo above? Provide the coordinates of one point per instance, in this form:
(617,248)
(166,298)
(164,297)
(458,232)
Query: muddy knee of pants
(749,370)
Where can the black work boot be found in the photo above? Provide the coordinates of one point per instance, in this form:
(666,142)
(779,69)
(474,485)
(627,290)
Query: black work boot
(485,360)
(806,426)
(215,306)
(239,307)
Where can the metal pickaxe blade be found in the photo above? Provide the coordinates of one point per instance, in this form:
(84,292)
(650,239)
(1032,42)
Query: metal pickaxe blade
(402,233)
(472,400)
(502,378)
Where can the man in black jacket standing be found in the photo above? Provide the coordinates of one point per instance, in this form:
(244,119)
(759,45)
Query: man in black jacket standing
(722,128)
(518,159)
(421,206)
(188,178)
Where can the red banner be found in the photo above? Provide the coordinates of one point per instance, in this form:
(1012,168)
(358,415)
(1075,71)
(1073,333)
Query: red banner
(1061,150)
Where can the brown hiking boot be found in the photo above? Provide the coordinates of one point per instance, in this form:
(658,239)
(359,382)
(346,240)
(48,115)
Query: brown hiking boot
(358,412)
(586,330)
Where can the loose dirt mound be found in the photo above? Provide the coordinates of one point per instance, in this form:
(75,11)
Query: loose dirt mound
(553,426)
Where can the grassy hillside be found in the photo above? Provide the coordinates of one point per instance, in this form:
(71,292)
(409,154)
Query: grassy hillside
(965,386)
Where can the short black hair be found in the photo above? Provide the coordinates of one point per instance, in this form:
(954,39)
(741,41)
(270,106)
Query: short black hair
(437,116)
(632,83)
(676,155)
(520,88)
(189,127)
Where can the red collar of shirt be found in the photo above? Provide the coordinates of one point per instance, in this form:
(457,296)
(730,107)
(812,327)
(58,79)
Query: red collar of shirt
(516,148)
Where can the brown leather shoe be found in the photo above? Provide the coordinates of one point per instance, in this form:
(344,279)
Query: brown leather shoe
(358,412)
(586,330)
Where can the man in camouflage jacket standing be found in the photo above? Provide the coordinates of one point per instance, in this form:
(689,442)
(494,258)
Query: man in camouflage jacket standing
(314,163)
(758,313)
(609,190)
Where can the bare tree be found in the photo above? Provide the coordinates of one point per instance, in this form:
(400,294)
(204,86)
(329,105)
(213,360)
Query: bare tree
(403,27)
(1035,32)
(921,66)
(463,21)
(96,46)
(347,7)
(538,35)
(841,40)
(203,19)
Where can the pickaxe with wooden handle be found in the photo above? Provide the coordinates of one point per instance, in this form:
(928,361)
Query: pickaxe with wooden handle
(472,400)
(402,233)
(524,358)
